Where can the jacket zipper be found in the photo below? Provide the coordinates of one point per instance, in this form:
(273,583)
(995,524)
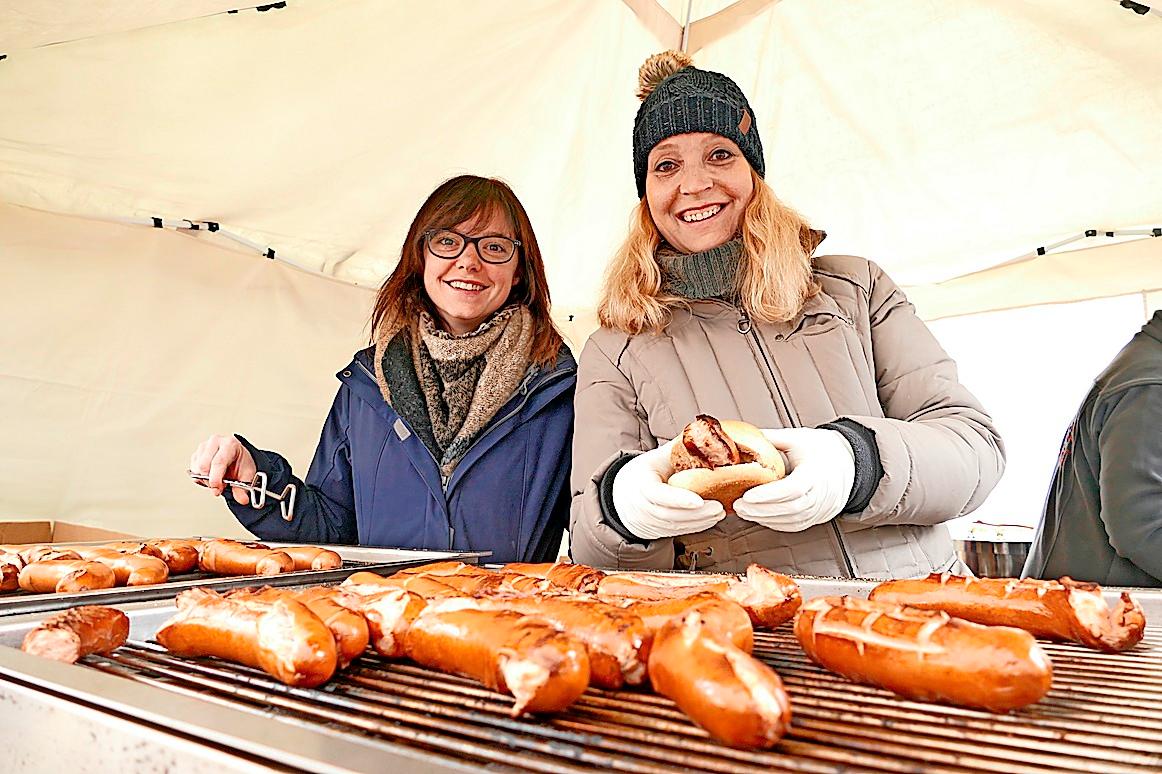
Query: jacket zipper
(745,328)
(443,478)
(526,394)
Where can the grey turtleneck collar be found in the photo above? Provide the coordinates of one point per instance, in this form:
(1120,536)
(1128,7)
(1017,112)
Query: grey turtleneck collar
(711,273)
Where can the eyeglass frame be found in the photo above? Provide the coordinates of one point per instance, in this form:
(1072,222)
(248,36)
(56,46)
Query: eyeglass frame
(474,241)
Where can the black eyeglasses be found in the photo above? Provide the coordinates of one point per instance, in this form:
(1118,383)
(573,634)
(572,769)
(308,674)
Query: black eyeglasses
(448,244)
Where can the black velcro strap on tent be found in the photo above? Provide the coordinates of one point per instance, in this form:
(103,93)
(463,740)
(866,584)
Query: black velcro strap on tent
(1157,232)
(264,8)
(269,253)
(1091,232)
(1137,8)
(211,225)
(157,223)
(1040,251)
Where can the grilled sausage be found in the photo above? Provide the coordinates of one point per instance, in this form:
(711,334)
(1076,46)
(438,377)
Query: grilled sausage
(231,557)
(737,699)
(543,669)
(282,637)
(65,576)
(32,554)
(444,568)
(725,619)
(72,634)
(1057,610)
(923,654)
(769,598)
(313,557)
(180,555)
(428,587)
(130,547)
(616,640)
(575,577)
(388,612)
(128,569)
(9,576)
(347,626)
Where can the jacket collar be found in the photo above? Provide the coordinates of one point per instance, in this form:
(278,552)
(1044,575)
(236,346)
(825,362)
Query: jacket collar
(361,370)
(1153,328)
(819,304)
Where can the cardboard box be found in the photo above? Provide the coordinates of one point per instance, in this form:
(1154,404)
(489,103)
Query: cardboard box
(55,532)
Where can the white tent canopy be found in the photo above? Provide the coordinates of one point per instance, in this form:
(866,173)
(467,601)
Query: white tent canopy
(945,141)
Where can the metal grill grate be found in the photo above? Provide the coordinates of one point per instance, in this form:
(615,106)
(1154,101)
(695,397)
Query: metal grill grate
(1103,715)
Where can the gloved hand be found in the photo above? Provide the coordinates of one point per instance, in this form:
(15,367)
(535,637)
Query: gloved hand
(650,508)
(815,491)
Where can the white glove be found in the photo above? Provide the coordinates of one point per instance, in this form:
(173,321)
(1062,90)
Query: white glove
(651,508)
(816,490)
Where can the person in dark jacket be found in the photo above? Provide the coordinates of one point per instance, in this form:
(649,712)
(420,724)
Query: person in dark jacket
(1103,517)
(453,430)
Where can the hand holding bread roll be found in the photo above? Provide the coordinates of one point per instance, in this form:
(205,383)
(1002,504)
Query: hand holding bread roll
(722,459)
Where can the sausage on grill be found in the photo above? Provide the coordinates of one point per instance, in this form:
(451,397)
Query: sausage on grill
(769,598)
(313,557)
(1054,609)
(180,555)
(347,626)
(923,654)
(616,640)
(231,557)
(281,637)
(724,618)
(736,698)
(72,634)
(575,577)
(128,569)
(65,576)
(543,669)
(388,611)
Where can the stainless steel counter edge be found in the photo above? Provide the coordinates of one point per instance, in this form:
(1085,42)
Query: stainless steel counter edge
(299,745)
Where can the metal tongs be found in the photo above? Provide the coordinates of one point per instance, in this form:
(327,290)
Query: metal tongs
(258,492)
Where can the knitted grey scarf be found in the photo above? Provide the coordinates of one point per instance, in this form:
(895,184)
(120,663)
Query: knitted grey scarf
(449,387)
(711,273)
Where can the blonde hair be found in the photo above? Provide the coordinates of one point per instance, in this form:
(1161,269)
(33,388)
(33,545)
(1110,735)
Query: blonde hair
(776,277)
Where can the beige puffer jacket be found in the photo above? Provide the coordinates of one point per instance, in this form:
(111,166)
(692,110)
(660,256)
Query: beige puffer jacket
(856,350)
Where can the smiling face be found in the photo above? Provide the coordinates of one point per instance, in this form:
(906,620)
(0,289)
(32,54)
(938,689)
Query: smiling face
(697,188)
(466,290)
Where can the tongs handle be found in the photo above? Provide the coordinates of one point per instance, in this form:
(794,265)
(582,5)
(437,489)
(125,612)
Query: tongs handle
(259,492)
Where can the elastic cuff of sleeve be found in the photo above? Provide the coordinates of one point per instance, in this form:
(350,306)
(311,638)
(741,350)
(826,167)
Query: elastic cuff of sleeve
(277,469)
(605,497)
(278,475)
(868,469)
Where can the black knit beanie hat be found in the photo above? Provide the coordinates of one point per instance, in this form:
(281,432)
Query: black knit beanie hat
(678,98)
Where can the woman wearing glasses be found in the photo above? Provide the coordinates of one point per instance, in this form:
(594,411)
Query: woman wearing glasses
(716,304)
(453,430)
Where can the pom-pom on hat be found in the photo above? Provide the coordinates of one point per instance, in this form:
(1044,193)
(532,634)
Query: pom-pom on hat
(678,98)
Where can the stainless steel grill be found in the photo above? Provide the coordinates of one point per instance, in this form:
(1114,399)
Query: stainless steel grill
(1104,715)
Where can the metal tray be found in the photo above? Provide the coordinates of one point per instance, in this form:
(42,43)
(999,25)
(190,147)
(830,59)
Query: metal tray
(354,558)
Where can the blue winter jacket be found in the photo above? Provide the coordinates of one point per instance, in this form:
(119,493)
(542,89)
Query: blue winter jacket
(373,481)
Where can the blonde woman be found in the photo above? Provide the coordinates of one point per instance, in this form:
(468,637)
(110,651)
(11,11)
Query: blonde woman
(717,304)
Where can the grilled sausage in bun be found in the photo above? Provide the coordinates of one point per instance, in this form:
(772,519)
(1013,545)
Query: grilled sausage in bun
(721,460)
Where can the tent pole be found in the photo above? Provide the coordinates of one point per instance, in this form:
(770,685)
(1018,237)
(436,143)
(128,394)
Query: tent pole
(686,26)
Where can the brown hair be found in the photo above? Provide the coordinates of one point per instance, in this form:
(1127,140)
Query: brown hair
(464,198)
(776,268)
